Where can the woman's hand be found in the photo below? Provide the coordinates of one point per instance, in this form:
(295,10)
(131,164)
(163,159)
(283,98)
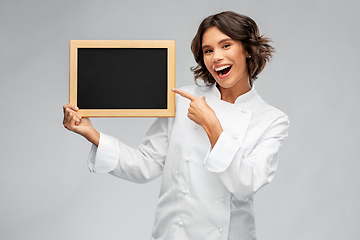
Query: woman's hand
(201,113)
(75,123)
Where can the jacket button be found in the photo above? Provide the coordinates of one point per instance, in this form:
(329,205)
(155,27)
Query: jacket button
(221,230)
(180,223)
(195,127)
(184,191)
(243,111)
(222,199)
(187,159)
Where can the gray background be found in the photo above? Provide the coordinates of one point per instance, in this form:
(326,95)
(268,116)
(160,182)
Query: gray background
(46,190)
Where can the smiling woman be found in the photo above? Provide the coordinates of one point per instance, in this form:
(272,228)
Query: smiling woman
(218,151)
(225,59)
(235,27)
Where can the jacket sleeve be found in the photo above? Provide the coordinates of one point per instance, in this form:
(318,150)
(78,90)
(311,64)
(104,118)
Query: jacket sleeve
(139,165)
(244,174)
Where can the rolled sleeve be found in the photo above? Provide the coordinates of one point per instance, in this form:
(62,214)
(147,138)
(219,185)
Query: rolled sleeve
(249,171)
(220,157)
(104,158)
(244,171)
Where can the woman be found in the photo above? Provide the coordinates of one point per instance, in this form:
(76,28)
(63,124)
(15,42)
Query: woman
(217,152)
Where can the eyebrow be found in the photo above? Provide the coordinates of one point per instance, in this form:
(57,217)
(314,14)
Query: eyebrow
(220,42)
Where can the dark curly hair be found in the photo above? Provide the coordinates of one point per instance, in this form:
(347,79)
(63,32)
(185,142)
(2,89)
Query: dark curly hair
(237,27)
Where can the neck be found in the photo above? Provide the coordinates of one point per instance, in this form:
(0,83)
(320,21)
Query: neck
(231,94)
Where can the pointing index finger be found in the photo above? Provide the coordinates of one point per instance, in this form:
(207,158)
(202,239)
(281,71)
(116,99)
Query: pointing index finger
(184,94)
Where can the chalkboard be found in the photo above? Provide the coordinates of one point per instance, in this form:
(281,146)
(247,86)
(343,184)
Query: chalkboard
(122,78)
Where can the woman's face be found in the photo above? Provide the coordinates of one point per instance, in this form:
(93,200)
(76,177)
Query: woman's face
(224,58)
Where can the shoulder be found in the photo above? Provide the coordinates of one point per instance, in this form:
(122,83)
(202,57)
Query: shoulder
(265,111)
(268,119)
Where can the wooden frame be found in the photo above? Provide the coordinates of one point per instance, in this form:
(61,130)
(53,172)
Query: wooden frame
(75,45)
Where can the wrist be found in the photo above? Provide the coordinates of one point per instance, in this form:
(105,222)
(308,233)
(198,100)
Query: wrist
(213,129)
(93,136)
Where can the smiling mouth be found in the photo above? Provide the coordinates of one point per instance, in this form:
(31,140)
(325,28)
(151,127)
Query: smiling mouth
(223,70)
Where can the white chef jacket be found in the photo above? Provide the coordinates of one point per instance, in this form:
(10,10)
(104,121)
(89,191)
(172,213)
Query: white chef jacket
(206,193)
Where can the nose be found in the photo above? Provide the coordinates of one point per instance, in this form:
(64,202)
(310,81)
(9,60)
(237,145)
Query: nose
(217,57)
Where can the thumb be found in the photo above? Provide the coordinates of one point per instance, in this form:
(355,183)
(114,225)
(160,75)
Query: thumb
(203,97)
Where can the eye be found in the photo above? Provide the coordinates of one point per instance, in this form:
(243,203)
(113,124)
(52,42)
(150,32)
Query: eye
(226,45)
(207,51)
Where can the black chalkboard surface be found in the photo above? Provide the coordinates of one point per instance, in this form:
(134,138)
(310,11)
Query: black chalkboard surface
(122,78)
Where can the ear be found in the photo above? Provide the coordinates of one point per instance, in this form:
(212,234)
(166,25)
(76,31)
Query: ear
(247,54)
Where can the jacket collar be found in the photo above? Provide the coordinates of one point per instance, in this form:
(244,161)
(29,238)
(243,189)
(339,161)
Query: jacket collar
(244,98)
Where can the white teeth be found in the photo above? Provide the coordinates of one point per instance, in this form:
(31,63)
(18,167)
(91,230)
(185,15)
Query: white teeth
(222,67)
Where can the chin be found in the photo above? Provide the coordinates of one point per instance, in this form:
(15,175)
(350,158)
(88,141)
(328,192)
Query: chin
(226,83)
